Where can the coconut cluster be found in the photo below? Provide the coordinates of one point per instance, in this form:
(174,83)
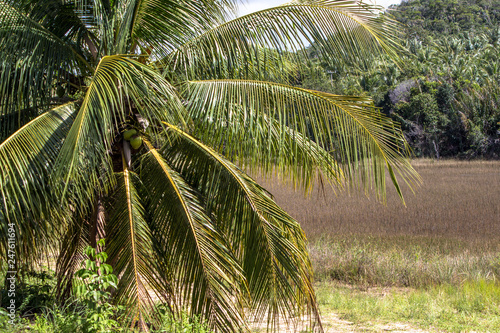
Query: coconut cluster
(135,140)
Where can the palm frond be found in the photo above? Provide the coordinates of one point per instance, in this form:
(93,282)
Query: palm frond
(362,140)
(27,200)
(159,27)
(32,59)
(71,253)
(263,64)
(206,276)
(130,252)
(119,85)
(292,155)
(344,30)
(268,242)
(270,146)
(81,231)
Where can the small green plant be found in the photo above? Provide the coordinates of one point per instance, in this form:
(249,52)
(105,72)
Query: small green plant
(93,284)
(33,292)
(60,318)
(183,323)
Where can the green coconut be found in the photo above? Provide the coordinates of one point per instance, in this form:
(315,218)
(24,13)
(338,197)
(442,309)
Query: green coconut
(128,134)
(136,142)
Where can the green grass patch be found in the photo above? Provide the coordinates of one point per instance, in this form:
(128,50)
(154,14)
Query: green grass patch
(471,306)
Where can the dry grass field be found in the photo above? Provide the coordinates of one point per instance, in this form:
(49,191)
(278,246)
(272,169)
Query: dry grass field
(457,199)
(448,232)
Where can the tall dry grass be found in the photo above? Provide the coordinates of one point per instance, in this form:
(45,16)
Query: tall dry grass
(448,232)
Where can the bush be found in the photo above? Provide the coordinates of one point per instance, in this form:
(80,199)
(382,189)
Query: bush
(93,285)
(33,294)
(89,311)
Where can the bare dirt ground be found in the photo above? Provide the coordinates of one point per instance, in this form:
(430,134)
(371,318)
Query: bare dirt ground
(332,323)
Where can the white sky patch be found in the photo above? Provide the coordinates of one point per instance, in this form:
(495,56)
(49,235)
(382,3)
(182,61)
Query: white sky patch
(250,6)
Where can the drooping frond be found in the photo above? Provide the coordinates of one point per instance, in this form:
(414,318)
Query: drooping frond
(130,251)
(344,30)
(26,159)
(264,144)
(206,276)
(269,244)
(119,84)
(32,58)
(292,155)
(81,231)
(361,139)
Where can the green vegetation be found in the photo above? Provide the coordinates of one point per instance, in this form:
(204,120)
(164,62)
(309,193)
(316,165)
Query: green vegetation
(471,306)
(207,95)
(89,309)
(447,91)
(429,19)
(95,282)
(33,295)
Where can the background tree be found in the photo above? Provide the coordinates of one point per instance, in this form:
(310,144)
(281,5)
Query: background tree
(453,46)
(134,119)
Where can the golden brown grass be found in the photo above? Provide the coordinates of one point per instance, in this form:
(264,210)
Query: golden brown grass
(448,232)
(457,199)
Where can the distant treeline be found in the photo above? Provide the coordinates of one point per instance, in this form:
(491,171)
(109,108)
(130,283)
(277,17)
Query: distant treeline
(446,91)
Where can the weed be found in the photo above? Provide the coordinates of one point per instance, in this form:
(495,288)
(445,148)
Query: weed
(96,279)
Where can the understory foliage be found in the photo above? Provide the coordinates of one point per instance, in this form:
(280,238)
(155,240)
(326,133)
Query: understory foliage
(135,120)
(94,290)
(89,309)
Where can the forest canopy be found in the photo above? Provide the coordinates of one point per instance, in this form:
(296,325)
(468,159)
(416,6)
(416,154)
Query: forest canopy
(446,90)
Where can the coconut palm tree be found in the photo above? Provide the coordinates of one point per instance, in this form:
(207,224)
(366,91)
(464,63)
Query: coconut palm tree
(135,120)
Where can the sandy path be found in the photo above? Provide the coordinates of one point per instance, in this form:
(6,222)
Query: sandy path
(333,324)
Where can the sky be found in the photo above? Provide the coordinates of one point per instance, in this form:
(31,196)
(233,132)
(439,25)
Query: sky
(253,5)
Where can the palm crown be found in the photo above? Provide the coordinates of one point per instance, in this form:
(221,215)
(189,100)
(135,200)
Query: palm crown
(204,94)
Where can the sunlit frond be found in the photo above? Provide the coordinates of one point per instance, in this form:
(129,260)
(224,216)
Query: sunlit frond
(363,141)
(131,251)
(159,27)
(32,58)
(269,243)
(26,158)
(206,276)
(264,64)
(344,30)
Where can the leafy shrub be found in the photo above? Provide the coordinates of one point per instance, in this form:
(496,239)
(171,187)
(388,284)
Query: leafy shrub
(33,293)
(95,281)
